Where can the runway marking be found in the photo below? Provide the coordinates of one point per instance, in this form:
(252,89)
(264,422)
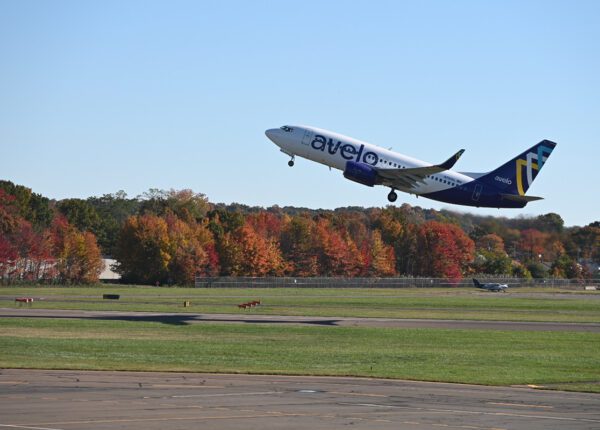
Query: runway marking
(25,427)
(520,405)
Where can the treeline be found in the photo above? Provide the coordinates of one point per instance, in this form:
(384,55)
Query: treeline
(173,236)
(38,244)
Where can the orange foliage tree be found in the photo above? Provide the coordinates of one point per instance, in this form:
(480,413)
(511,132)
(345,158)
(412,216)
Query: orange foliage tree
(155,249)
(380,259)
(246,253)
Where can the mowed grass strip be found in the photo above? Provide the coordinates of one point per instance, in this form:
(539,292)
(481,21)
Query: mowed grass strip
(465,356)
(437,303)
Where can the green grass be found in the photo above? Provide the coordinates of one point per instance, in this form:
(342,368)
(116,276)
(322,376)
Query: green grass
(467,356)
(556,360)
(438,303)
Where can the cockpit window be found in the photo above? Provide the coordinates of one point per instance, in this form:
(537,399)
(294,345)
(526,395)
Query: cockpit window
(287,129)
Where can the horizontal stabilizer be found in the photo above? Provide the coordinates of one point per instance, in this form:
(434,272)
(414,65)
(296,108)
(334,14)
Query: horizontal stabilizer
(522,199)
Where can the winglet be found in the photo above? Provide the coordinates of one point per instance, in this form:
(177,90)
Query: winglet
(447,165)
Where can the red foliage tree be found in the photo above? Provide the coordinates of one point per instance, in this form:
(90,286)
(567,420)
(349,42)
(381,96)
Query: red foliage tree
(532,243)
(337,253)
(443,250)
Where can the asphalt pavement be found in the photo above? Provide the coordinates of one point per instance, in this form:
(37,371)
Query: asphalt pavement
(69,400)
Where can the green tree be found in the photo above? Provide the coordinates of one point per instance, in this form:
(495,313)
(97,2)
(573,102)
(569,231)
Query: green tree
(112,210)
(537,269)
(143,250)
(80,214)
(30,206)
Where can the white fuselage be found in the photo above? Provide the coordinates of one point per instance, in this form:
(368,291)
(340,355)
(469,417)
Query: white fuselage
(335,150)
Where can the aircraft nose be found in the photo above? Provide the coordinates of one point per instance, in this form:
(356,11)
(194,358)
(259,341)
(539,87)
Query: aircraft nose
(272,133)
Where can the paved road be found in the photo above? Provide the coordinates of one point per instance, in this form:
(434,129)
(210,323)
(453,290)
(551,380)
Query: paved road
(69,400)
(249,318)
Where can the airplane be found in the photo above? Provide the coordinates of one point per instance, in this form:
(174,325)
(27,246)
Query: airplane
(371,165)
(490,286)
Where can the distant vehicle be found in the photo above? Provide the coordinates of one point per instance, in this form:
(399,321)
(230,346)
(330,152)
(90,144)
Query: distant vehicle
(490,286)
(370,165)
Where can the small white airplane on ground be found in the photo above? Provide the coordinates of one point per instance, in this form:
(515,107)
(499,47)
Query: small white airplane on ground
(490,286)
(370,165)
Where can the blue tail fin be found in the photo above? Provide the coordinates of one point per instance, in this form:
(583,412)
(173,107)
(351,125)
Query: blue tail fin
(516,176)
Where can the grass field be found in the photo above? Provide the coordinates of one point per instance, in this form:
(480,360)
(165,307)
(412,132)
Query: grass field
(473,356)
(560,360)
(440,303)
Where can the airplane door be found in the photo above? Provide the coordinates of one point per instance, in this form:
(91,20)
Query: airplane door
(307,137)
(477,192)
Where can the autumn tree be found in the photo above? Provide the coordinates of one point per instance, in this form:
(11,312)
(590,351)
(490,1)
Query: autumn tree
(9,213)
(246,253)
(444,250)
(567,267)
(190,246)
(299,246)
(587,241)
(77,255)
(186,204)
(8,258)
(34,253)
(265,224)
(379,258)
(532,243)
(165,250)
(337,255)
(80,261)
(491,257)
(392,227)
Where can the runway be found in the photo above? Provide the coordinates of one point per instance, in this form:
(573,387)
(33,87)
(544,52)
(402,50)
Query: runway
(250,318)
(69,400)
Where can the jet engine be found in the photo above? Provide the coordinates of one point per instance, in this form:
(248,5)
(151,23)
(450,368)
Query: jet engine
(361,173)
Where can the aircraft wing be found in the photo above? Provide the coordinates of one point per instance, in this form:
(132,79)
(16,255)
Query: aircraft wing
(409,178)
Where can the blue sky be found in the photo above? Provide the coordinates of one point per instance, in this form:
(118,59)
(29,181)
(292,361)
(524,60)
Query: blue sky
(97,97)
